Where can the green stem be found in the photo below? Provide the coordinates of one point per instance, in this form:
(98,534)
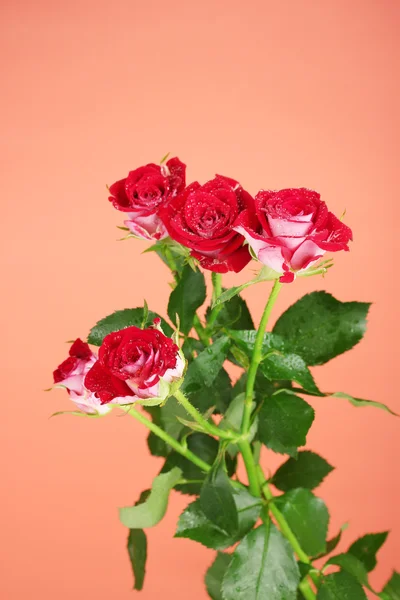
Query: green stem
(201,332)
(306,590)
(216,279)
(251,469)
(171,263)
(206,425)
(257,357)
(168,439)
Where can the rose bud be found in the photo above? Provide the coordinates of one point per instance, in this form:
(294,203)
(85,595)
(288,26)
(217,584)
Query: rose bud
(71,374)
(136,365)
(295,230)
(142,194)
(202,218)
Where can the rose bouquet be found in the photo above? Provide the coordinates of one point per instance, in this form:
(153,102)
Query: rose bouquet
(270,533)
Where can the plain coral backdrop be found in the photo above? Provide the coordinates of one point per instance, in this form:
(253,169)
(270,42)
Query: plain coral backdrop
(275,94)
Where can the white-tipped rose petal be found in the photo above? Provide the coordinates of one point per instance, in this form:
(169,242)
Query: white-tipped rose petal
(271,256)
(298,226)
(306,255)
(147,228)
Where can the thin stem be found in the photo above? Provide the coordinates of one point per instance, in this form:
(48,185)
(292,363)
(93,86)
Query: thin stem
(306,590)
(168,439)
(171,263)
(201,332)
(257,357)
(206,425)
(216,279)
(251,469)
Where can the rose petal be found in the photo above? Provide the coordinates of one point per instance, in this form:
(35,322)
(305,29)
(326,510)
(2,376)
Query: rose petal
(305,254)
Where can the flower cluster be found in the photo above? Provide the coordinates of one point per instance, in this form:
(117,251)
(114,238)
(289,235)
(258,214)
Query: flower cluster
(133,365)
(224,226)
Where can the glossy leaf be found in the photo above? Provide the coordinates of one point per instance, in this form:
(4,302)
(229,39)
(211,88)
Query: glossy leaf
(206,448)
(220,394)
(194,524)
(121,319)
(233,420)
(318,327)
(341,586)
(307,471)
(234,314)
(262,566)
(307,517)
(349,563)
(215,575)
(279,362)
(392,588)
(332,543)
(150,512)
(284,421)
(359,402)
(366,548)
(205,368)
(137,550)
(186,298)
(217,502)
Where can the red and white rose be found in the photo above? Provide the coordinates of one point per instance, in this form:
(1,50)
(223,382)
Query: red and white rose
(143,192)
(202,218)
(135,365)
(294,230)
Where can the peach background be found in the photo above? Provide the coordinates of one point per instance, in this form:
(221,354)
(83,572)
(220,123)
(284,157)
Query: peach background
(276,94)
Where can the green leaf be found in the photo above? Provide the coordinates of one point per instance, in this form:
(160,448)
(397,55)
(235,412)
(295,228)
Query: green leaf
(203,370)
(289,366)
(186,298)
(193,523)
(220,396)
(215,575)
(340,586)
(307,517)
(206,448)
(137,550)
(217,502)
(318,327)
(150,512)
(166,417)
(357,402)
(284,421)
(352,565)
(234,314)
(392,588)
(332,543)
(279,362)
(307,471)
(233,420)
(121,319)
(262,566)
(366,548)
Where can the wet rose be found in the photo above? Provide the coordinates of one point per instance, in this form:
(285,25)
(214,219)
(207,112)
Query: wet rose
(135,365)
(71,373)
(294,230)
(143,192)
(202,218)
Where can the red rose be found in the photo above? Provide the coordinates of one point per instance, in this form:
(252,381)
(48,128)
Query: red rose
(135,364)
(202,218)
(295,230)
(143,192)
